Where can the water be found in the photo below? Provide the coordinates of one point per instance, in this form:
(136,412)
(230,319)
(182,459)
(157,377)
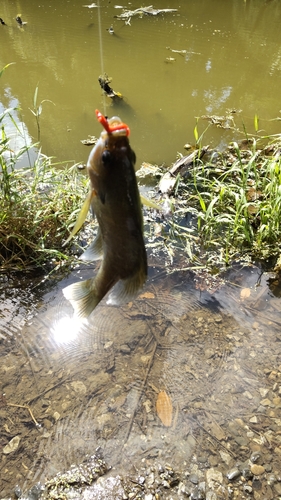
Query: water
(232,61)
(96,382)
(215,352)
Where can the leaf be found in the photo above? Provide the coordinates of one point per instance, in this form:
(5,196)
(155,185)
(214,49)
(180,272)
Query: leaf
(256,122)
(35,97)
(5,67)
(147,295)
(245,293)
(195,131)
(164,408)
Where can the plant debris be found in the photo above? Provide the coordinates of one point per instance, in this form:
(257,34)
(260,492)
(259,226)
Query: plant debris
(150,11)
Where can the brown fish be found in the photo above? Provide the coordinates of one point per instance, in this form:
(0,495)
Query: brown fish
(114,199)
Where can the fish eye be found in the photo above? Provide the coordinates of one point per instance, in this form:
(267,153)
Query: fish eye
(106,157)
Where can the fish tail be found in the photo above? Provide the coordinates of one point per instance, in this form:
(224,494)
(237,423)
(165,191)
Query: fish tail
(126,290)
(83,297)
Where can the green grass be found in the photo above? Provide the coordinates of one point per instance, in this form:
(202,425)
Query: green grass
(228,207)
(38,205)
(235,199)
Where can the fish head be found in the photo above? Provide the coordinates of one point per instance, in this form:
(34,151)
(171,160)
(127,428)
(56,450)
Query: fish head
(111,147)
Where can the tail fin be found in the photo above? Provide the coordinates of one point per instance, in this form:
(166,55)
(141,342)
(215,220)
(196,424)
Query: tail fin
(82,296)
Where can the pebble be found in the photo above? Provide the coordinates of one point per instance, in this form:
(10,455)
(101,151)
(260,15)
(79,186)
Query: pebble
(197,495)
(255,456)
(253,420)
(194,478)
(125,349)
(211,495)
(247,488)
(233,473)
(17,491)
(257,470)
(214,475)
(265,402)
(263,391)
(277,488)
(246,473)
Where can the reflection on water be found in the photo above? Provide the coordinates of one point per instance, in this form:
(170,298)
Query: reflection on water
(95,382)
(227,56)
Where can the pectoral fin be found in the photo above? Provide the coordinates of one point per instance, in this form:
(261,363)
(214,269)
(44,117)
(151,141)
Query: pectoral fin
(150,203)
(95,250)
(82,215)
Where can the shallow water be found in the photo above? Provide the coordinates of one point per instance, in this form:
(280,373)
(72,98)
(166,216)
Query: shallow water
(232,60)
(96,383)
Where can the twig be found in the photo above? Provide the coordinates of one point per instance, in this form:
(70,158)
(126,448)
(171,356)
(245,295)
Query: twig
(141,392)
(27,408)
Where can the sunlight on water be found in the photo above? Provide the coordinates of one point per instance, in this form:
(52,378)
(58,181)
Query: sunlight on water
(66,329)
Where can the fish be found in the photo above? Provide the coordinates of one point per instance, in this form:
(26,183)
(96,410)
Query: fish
(115,201)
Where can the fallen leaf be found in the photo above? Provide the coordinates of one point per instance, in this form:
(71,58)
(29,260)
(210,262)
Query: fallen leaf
(164,408)
(12,445)
(245,293)
(147,295)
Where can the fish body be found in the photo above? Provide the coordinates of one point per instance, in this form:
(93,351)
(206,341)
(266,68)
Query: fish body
(114,199)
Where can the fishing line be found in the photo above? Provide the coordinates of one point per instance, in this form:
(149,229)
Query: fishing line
(101,54)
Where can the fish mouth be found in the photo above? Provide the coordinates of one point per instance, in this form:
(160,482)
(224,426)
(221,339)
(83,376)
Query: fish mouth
(114,125)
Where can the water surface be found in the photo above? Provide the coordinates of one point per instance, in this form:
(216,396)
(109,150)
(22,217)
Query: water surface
(232,60)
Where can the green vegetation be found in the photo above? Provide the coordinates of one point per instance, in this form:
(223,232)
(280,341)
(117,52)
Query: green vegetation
(235,200)
(38,204)
(226,207)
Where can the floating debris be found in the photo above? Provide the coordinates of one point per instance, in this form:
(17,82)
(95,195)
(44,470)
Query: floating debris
(2,22)
(91,6)
(183,52)
(104,82)
(225,122)
(110,30)
(127,14)
(90,141)
(20,21)
(169,59)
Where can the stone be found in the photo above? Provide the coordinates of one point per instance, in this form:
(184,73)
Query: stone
(213,475)
(265,402)
(257,470)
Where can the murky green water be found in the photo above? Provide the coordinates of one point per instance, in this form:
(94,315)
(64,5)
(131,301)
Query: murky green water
(232,61)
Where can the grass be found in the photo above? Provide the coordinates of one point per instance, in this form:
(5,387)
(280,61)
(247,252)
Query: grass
(228,207)
(38,205)
(235,199)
